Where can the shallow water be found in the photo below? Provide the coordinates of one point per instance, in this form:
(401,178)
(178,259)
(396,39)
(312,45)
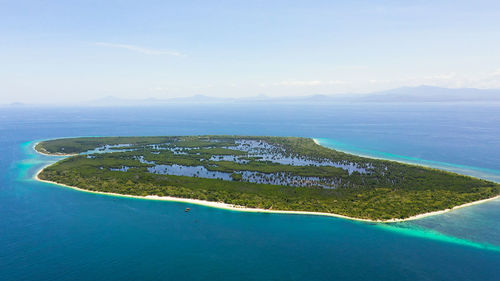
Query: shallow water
(267,152)
(255,149)
(247,176)
(51,232)
(190,171)
(230,158)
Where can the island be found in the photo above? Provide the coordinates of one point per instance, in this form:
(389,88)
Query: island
(263,173)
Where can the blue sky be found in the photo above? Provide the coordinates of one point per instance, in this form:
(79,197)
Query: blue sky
(67,51)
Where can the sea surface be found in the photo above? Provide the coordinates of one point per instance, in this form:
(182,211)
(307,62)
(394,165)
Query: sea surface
(48,232)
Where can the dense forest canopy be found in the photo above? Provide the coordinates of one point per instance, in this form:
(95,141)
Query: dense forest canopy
(279,173)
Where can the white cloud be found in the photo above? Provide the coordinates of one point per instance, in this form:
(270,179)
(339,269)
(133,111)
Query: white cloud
(379,81)
(354,67)
(495,73)
(440,77)
(483,80)
(159,89)
(141,50)
(309,83)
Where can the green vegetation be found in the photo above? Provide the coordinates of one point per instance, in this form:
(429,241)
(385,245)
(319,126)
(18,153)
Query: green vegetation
(279,173)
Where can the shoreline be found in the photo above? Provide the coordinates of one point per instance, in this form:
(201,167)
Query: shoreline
(225,206)
(401,161)
(58,154)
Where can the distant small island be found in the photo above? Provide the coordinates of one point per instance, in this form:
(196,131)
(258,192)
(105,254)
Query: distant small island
(278,174)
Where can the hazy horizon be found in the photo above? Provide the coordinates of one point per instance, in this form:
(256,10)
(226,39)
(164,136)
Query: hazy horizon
(418,94)
(55,52)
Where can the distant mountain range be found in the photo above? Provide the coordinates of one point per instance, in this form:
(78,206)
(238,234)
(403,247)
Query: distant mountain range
(433,94)
(114,101)
(400,95)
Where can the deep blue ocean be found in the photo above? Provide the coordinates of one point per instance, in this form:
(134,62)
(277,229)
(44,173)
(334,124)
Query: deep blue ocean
(48,232)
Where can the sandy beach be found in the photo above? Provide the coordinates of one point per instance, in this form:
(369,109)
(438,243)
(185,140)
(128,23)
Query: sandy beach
(222,205)
(51,154)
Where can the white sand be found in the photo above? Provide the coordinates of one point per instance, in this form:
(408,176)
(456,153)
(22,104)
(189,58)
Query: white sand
(52,154)
(222,205)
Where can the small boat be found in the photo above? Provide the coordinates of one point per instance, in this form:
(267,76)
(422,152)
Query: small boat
(187,209)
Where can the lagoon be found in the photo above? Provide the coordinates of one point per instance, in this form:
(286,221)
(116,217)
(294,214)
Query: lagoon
(50,232)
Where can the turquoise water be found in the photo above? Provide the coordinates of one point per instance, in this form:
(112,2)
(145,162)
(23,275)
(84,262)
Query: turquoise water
(484,173)
(51,232)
